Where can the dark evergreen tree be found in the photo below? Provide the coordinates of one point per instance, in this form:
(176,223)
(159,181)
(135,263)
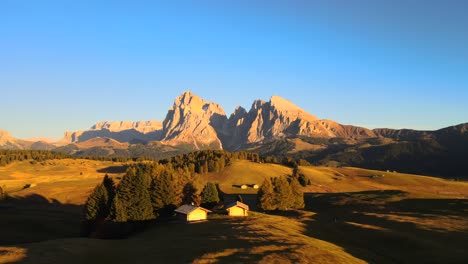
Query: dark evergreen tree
(96,206)
(190,194)
(209,195)
(109,183)
(266,196)
(118,213)
(164,192)
(134,196)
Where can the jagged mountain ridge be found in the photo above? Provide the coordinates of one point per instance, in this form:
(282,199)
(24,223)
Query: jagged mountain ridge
(192,121)
(195,123)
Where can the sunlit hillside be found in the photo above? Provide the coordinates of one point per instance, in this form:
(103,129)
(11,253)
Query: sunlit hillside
(352,215)
(65,180)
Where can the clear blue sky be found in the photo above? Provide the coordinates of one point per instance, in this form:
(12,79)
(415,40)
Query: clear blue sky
(65,65)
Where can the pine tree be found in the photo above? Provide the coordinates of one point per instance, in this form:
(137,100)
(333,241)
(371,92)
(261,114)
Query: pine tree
(118,212)
(298,195)
(133,194)
(209,195)
(284,197)
(109,184)
(165,194)
(190,194)
(97,204)
(266,196)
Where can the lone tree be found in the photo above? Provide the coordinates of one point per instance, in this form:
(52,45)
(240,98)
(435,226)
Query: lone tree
(190,194)
(209,195)
(266,196)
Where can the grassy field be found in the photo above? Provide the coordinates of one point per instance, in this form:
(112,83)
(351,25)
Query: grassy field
(67,181)
(352,215)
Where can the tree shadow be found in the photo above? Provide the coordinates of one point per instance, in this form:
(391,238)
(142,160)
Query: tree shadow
(113,169)
(229,240)
(385,227)
(34,218)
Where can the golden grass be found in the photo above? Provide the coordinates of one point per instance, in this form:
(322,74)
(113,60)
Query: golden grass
(326,179)
(259,238)
(432,222)
(397,212)
(65,180)
(245,172)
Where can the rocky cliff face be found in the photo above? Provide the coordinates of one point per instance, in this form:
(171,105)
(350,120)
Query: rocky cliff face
(140,126)
(281,118)
(123,131)
(194,121)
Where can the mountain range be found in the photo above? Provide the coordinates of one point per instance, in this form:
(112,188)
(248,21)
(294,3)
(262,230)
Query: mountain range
(276,127)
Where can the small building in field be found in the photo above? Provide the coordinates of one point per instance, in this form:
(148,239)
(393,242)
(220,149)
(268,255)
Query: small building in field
(238,209)
(190,213)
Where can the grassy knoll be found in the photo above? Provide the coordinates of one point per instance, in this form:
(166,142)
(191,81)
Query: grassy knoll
(246,172)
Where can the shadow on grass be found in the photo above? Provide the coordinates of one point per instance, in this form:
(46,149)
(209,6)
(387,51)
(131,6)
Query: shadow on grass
(34,218)
(113,169)
(231,240)
(384,227)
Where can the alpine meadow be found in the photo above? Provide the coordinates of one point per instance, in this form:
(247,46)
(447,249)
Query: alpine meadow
(233,132)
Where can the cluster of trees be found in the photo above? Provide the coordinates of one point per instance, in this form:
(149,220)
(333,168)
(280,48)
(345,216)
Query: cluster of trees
(146,192)
(9,156)
(281,193)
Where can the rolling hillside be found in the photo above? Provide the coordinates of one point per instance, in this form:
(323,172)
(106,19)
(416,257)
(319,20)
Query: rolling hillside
(352,215)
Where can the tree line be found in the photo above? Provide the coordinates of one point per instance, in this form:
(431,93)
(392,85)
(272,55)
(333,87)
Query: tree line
(9,156)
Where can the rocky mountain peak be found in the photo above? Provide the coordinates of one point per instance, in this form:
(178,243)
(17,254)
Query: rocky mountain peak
(192,120)
(5,137)
(289,109)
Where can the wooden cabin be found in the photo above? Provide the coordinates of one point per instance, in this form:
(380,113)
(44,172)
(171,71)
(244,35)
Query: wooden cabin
(238,209)
(190,213)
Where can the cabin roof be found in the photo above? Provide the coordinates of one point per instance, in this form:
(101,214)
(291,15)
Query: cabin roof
(239,204)
(187,209)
